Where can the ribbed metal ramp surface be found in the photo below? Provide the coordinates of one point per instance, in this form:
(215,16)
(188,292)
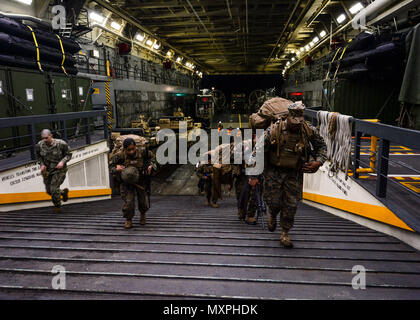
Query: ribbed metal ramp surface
(187,250)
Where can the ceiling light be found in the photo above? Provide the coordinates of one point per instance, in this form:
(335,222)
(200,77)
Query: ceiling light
(315,40)
(27,2)
(322,33)
(96,17)
(297,53)
(140,37)
(356,8)
(293,59)
(307,47)
(341,18)
(149,42)
(311,44)
(156,45)
(169,53)
(288,63)
(115,25)
(301,49)
(179,59)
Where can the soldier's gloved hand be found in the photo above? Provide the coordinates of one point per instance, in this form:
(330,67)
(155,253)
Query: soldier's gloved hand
(120,168)
(311,167)
(60,165)
(253,182)
(43,168)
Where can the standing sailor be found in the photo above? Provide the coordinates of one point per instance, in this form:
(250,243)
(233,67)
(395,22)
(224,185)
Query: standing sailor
(53,155)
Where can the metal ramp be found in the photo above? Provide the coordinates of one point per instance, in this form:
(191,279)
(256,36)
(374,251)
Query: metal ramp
(191,251)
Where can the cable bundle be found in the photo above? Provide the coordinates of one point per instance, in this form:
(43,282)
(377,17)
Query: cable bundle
(26,47)
(336,130)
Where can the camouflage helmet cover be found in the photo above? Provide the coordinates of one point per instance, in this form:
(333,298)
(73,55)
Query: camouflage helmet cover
(130,175)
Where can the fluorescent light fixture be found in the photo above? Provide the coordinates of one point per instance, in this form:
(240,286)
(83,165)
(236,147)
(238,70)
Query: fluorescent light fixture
(169,54)
(297,53)
(96,17)
(27,2)
(140,37)
(301,49)
(341,18)
(149,42)
(156,45)
(315,40)
(307,47)
(293,59)
(179,59)
(311,44)
(322,33)
(356,8)
(115,25)
(288,63)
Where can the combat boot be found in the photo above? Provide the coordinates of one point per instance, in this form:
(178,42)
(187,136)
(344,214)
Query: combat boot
(142,218)
(128,224)
(65,195)
(271,223)
(285,240)
(250,220)
(57,209)
(240,214)
(214,205)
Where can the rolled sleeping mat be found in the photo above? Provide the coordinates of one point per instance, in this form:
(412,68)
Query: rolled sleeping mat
(11,45)
(31,63)
(20,30)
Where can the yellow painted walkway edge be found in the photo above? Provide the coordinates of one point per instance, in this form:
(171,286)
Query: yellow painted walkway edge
(370,211)
(9,198)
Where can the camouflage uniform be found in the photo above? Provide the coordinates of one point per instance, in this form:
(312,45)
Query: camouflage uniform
(141,160)
(50,156)
(283,187)
(246,200)
(205,169)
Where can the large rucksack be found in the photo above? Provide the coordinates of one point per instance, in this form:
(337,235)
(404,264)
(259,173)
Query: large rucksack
(269,112)
(141,143)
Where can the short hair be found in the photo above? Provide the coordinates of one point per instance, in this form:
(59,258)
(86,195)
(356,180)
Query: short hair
(128,142)
(46,132)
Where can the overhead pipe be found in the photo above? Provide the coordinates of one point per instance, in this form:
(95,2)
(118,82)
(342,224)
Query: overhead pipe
(36,20)
(374,8)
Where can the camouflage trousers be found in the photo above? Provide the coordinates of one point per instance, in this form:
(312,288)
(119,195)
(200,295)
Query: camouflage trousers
(52,181)
(245,196)
(208,189)
(283,192)
(128,195)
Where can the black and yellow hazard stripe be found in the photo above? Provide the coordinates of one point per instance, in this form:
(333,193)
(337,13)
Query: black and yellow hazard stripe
(37,49)
(64,55)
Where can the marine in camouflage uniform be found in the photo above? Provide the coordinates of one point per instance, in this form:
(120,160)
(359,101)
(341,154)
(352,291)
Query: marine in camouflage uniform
(245,197)
(284,186)
(205,172)
(141,160)
(53,155)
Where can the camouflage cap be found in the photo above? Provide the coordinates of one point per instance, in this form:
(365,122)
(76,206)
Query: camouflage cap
(296,112)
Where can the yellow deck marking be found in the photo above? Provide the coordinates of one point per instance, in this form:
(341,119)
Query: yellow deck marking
(9,198)
(240,123)
(410,185)
(370,211)
(399,178)
(415,178)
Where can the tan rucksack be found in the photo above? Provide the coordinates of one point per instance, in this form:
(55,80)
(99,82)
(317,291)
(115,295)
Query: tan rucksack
(269,112)
(141,143)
